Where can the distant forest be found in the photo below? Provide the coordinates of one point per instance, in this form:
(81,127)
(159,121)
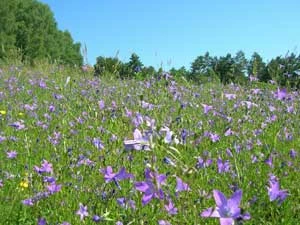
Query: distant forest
(284,70)
(28,30)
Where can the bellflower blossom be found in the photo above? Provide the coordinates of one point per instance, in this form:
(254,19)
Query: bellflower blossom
(228,210)
(274,191)
(82,212)
(139,142)
(151,187)
(115,177)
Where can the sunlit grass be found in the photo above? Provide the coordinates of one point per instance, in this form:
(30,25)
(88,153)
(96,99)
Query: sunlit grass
(62,119)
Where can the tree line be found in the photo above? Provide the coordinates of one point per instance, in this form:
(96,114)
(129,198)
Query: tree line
(285,70)
(28,30)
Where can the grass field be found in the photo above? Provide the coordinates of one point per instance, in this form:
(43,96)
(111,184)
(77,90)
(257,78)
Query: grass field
(76,149)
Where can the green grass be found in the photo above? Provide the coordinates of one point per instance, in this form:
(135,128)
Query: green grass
(177,105)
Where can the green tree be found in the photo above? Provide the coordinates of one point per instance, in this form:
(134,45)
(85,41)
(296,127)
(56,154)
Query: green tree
(30,26)
(203,66)
(285,70)
(135,65)
(274,70)
(108,66)
(181,72)
(257,68)
(8,27)
(225,69)
(240,67)
(68,51)
(148,71)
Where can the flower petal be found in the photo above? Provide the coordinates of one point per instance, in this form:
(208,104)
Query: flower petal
(147,198)
(161,178)
(137,135)
(141,186)
(234,203)
(226,221)
(219,198)
(207,212)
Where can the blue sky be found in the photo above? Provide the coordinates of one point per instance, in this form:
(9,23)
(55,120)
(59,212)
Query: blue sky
(174,33)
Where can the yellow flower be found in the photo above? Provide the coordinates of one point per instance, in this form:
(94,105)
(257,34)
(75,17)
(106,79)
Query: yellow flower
(2,112)
(20,114)
(24,184)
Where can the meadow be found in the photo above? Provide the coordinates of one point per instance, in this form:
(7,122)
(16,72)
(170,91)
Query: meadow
(79,149)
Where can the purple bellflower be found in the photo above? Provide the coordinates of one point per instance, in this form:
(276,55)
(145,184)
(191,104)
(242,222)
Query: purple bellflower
(214,137)
(206,108)
(98,143)
(230,96)
(151,187)
(169,138)
(11,154)
(201,163)
(139,142)
(170,208)
(227,210)
(274,190)
(53,187)
(115,177)
(97,218)
(280,94)
(42,221)
(101,104)
(19,125)
(126,203)
(45,168)
(223,166)
(181,186)
(82,212)
(163,222)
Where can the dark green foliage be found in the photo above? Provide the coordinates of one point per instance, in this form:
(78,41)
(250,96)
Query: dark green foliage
(69,52)
(29,26)
(148,71)
(108,66)
(8,26)
(135,64)
(240,67)
(203,66)
(181,72)
(114,67)
(225,69)
(133,68)
(285,70)
(274,70)
(257,68)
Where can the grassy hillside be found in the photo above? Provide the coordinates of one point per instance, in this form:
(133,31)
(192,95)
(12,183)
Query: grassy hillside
(172,147)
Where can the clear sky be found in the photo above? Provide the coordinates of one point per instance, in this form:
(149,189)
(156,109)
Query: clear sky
(175,32)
